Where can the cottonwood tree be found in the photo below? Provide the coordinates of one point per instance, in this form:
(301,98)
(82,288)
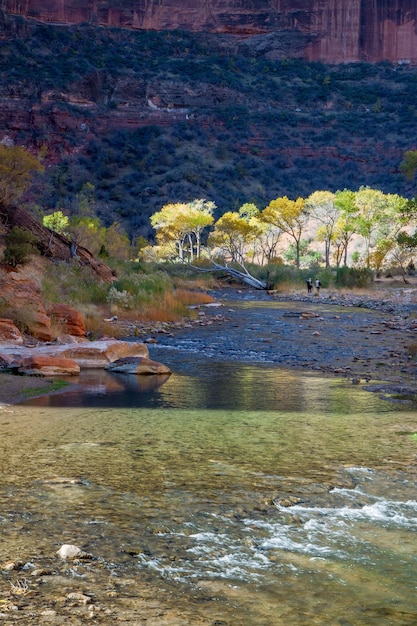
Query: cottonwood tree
(291,217)
(233,235)
(345,227)
(322,207)
(116,243)
(57,221)
(87,232)
(379,221)
(267,243)
(371,206)
(182,224)
(403,252)
(17,168)
(200,217)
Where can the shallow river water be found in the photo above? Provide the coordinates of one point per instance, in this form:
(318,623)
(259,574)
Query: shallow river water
(246,493)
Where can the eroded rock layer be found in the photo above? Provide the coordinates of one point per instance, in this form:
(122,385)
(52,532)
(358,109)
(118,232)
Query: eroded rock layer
(332,31)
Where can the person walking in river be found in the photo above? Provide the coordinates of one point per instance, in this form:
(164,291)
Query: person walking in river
(309,285)
(318,285)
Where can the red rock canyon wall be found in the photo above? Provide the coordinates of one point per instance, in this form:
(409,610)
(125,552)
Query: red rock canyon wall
(334,31)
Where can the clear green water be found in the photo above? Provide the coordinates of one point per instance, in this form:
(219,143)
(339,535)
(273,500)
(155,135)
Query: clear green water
(185,485)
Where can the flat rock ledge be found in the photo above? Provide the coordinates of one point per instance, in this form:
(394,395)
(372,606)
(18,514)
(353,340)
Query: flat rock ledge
(46,366)
(69,359)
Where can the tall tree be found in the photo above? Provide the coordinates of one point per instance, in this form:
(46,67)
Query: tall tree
(322,207)
(291,217)
(409,164)
(345,226)
(233,235)
(183,223)
(17,168)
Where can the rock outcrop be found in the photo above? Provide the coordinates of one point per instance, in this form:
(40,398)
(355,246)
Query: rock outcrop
(10,332)
(332,31)
(124,357)
(97,354)
(23,295)
(138,365)
(70,321)
(47,366)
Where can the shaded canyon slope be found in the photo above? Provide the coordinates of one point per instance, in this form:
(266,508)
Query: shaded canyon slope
(50,244)
(233,115)
(331,31)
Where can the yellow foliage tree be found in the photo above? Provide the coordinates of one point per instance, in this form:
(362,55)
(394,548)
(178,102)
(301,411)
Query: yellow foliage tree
(322,207)
(17,168)
(182,223)
(290,216)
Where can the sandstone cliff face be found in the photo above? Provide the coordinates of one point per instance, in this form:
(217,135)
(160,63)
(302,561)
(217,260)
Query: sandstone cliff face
(333,31)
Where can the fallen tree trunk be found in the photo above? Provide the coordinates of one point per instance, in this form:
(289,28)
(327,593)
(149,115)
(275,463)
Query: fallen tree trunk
(244,276)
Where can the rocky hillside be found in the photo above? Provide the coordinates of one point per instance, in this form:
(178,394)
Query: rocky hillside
(154,117)
(331,31)
(50,245)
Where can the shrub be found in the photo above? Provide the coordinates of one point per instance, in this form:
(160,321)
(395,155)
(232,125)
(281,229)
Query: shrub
(73,284)
(20,244)
(22,318)
(354,277)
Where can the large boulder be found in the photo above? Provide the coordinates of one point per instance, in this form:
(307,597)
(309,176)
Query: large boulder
(23,295)
(70,321)
(9,332)
(97,354)
(48,366)
(5,361)
(137,365)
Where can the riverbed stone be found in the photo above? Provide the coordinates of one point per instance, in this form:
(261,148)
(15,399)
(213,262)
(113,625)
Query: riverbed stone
(70,551)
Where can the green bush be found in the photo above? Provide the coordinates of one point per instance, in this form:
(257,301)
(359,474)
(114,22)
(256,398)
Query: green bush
(20,244)
(354,277)
(73,284)
(138,288)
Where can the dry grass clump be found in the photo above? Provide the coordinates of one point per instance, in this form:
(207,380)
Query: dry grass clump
(23,318)
(412,349)
(169,306)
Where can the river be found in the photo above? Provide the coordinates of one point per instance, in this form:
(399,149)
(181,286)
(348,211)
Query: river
(241,493)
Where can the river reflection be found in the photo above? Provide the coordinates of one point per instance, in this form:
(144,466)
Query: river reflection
(250,494)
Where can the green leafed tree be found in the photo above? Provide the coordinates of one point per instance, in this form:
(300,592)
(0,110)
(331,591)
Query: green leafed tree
(57,221)
(409,164)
